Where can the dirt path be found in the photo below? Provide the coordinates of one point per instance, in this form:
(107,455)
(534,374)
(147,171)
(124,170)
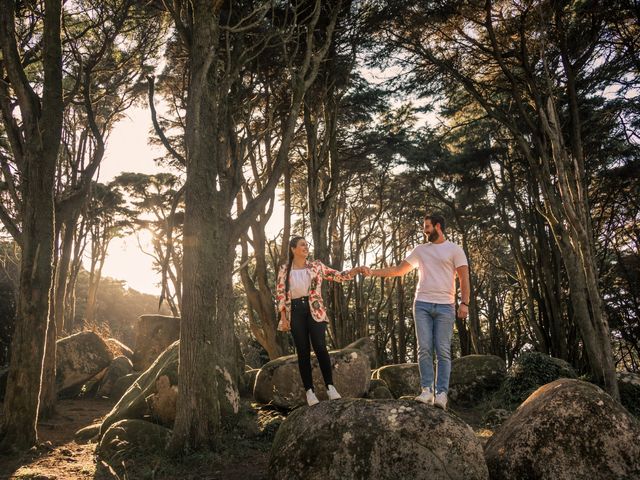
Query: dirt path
(58,455)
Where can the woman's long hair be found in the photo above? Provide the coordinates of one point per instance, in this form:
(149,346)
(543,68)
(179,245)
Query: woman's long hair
(293,243)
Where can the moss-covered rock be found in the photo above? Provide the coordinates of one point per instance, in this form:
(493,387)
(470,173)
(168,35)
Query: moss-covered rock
(375,439)
(530,371)
(629,385)
(154,333)
(129,438)
(119,367)
(379,393)
(278,382)
(79,358)
(366,345)
(133,403)
(475,377)
(118,348)
(88,433)
(122,385)
(566,429)
(402,379)
(379,389)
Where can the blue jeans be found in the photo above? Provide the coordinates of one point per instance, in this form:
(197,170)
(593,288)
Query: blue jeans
(434,327)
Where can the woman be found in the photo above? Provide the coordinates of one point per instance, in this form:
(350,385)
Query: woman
(299,297)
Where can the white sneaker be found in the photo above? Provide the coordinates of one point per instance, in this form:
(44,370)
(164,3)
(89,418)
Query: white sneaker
(332,393)
(441,400)
(311,398)
(426,396)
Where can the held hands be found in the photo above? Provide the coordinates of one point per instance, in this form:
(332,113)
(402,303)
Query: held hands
(364,270)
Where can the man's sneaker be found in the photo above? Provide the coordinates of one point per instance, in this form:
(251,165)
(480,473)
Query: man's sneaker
(441,400)
(426,396)
(332,393)
(311,398)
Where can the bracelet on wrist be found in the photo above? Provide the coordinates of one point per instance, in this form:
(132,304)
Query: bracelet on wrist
(465,304)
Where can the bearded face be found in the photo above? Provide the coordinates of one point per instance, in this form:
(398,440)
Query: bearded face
(430,231)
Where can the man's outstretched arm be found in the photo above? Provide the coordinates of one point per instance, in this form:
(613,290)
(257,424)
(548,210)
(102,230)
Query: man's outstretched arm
(397,271)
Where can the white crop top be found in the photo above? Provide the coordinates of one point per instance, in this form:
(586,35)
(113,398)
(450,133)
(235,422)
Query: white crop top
(299,282)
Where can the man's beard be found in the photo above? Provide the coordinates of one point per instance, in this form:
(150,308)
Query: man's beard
(433,236)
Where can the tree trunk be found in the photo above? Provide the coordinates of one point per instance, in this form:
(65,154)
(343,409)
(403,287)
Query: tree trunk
(42,124)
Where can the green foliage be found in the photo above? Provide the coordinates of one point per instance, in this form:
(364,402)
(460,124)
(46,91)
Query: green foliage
(530,371)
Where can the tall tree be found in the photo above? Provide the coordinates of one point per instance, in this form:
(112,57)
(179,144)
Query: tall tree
(219,40)
(34,134)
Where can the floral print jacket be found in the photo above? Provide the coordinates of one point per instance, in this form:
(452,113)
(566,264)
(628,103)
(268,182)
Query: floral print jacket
(319,271)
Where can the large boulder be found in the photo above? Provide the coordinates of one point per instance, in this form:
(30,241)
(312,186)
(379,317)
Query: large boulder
(366,345)
(474,377)
(162,403)
(133,403)
(120,367)
(278,382)
(118,348)
(122,385)
(128,438)
(629,386)
(79,358)
(530,371)
(375,439)
(402,379)
(566,429)
(154,333)
(379,389)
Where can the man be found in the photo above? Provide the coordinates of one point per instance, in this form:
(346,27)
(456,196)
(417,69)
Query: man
(438,262)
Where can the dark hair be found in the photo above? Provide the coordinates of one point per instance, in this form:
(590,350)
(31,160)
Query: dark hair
(436,219)
(293,243)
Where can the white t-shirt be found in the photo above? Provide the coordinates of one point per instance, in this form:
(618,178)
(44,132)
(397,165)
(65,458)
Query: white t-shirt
(299,282)
(437,263)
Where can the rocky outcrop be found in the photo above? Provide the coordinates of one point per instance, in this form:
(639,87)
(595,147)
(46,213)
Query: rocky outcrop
(565,430)
(79,358)
(278,382)
(154,333)
(118,348)
(366,345)
(133,404)
(375,439)
(162,403)
(128,438)
(379,389)
(88,433)
(122,385)
(475,377)
(402,379)
(120,367)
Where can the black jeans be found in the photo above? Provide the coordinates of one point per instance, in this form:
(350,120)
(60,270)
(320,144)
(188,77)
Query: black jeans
(303,329)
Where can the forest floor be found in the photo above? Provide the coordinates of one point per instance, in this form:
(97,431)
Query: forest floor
(59,457)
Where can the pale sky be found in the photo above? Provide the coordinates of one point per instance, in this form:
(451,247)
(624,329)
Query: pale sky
(127,150)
